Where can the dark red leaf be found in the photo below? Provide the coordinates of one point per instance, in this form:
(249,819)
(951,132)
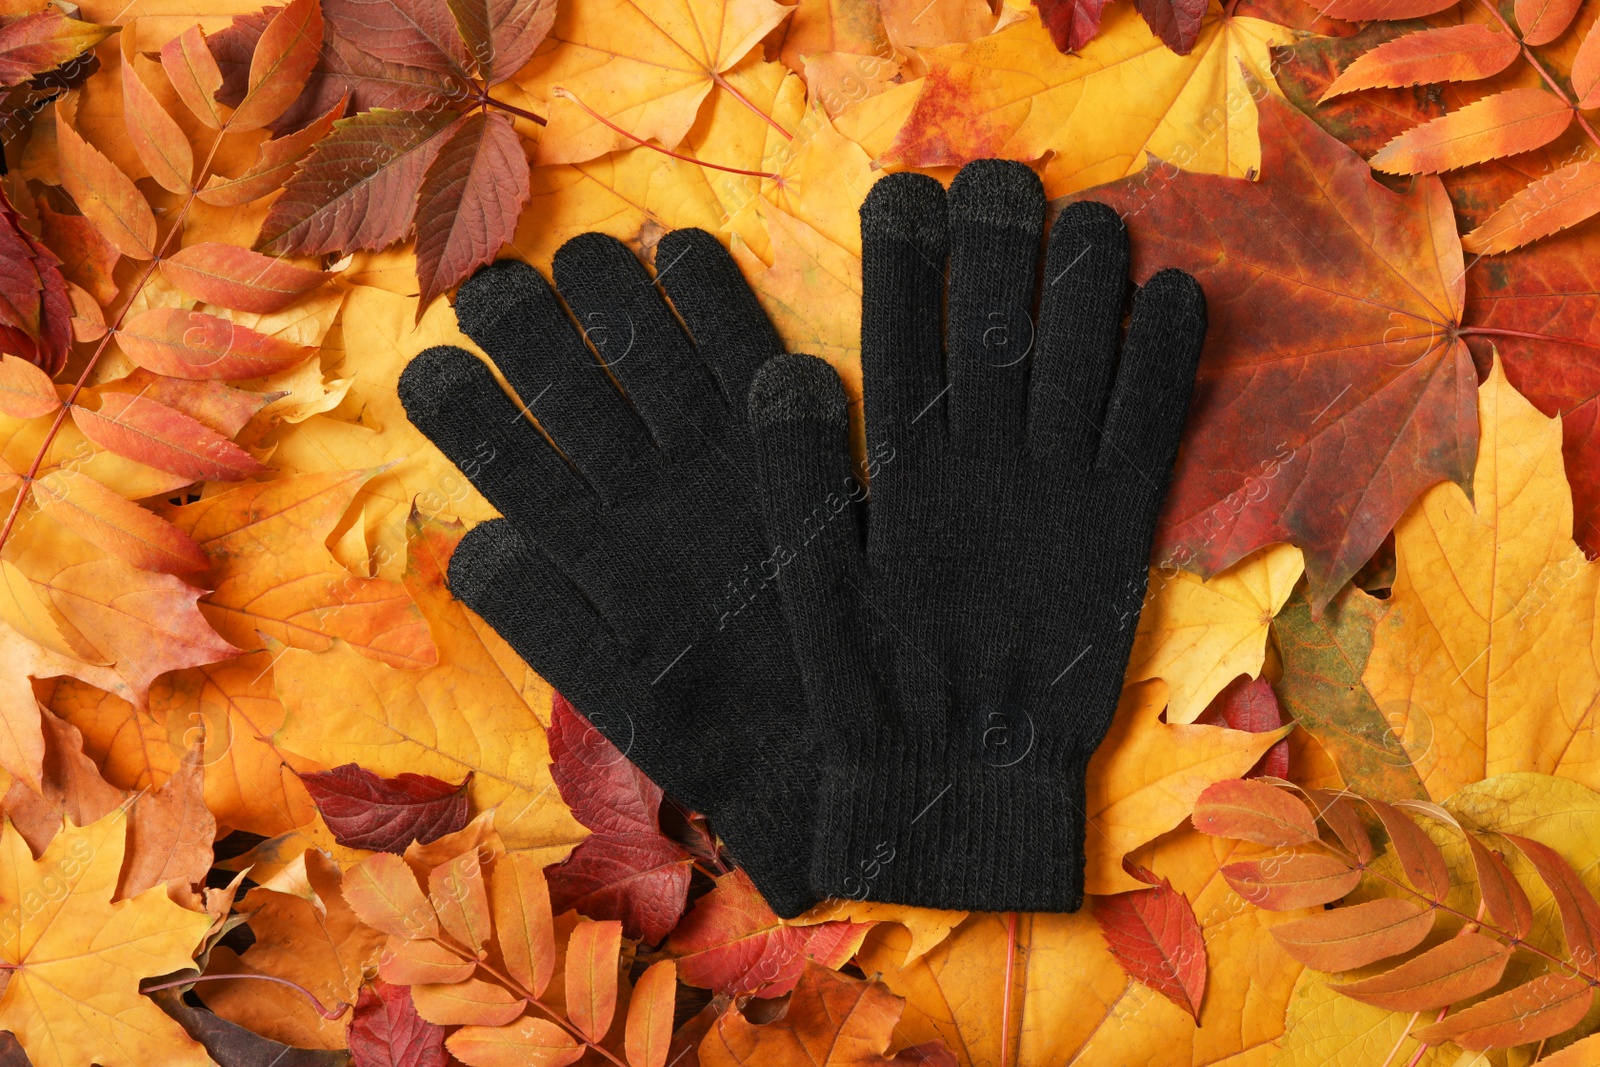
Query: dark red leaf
(1176,22)
(86,256)
(640,879)
(1072,23)
(469,202)
(417,33)
(35,311)
(1250,704)
(1295,433)
(606,793)
(1154,935)
(501,35)
(365,810)
(358,188)
(343,67)
(386,1031)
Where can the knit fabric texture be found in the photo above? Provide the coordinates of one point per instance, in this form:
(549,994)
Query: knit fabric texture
(630,568)
(963,635)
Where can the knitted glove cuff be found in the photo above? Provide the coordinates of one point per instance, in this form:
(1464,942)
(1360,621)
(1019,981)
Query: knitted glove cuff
(908,827)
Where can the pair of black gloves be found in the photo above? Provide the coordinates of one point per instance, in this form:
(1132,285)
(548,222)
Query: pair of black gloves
(891,697)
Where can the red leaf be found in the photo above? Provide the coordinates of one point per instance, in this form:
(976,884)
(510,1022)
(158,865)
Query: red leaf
(192,344)
(1295,432)
(417,33)
(1504,124)
(1420,858)
(606,793)
(1346,938)
(156,435)
(732,942)
(358,188)
(43,41)
(1461,967)
(640,879)
(26,392)
(501,35)
(86,257)
(469,202)
(1176,22)
(1253,811)
(343,69)
(1298,880)
(1580,914)
(284,55)
(1072,23)
(1542,21)
(35,310)
(1340,815)
(364,810)
(386,1031)
(156,135)
(1504,899)
(192,70)
(273,167)
(221,407)
(1251,705)
(1154,935)
(1446,53)
(1533,1011)
(238,278)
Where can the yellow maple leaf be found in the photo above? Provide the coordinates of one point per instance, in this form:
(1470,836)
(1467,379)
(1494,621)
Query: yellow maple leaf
(1070,1001)
(480,710)
(1484,662)
(646,65)
(1146,775)
(75,959)
(1201,635)
(1097,112)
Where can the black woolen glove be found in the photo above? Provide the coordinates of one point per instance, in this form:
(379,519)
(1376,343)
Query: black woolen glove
(628,567)
(964,651)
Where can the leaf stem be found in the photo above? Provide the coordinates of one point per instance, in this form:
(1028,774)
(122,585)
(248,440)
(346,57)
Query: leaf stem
(1495,331)
(1005,999)
(566,94)
(484,98)
(725,84)
(326,1013)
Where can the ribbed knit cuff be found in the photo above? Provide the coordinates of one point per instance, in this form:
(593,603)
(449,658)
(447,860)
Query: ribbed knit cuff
(903,827)
(769,834)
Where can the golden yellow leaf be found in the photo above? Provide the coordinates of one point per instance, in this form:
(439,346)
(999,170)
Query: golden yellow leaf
(1071,1002)
(1201,635)
(646,65)
(1146,775)
(468,713)
(928,926)
(76,959)
(1486,661)
(1011,94)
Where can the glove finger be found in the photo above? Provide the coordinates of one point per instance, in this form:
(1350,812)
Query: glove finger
(1151,398)
(996,220)
(799,417)
(451,397)
(729,328)
(1080,318)
(550,623)
(513,315)
(638,340)
(904,244)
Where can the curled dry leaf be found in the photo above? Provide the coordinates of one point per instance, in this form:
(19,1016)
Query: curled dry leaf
(366,810)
